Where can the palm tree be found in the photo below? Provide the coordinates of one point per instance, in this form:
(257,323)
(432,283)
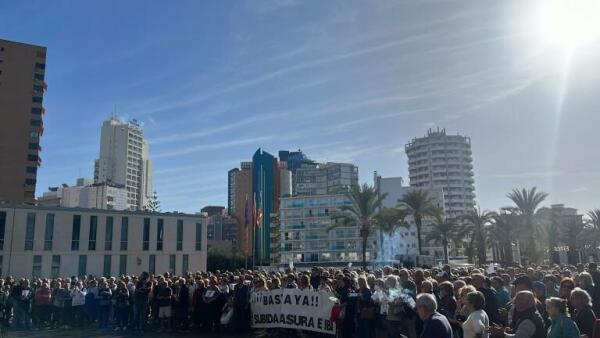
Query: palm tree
(590,236)
(476,223)
(527,202)
(388,220)
(442,230)
(419,204)
(502,232)
(361,212)
(594,221)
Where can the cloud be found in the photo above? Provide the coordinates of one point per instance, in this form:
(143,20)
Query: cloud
(215,130)
(212,146)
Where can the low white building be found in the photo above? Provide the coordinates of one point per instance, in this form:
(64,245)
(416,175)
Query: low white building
(56,241)
(86,194)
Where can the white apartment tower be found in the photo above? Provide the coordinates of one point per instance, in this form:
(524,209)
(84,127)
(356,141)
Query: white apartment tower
(443,161)
(124,161)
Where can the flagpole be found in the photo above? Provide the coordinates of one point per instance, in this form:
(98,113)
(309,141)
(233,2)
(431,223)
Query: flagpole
(253,230)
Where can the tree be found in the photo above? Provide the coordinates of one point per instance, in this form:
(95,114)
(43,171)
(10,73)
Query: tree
(502,232)
(476,223)
(388,221)
(361,212)
(528,202)
(442,230)
(419,204)
(153,204)
(590,236)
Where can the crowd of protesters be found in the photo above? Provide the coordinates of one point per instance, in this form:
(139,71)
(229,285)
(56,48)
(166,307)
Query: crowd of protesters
(444,302)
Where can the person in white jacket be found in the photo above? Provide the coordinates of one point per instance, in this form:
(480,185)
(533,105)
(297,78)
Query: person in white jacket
(477,324)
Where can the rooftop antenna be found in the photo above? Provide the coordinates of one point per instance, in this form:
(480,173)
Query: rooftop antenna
(114,113)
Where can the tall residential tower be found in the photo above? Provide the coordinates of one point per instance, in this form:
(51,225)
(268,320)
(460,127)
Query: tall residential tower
(124,161)
(444,161)
(22,86)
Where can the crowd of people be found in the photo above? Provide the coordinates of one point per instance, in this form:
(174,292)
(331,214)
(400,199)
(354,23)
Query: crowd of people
(443,302)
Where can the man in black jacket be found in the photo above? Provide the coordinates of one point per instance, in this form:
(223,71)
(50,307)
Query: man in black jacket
(491,307)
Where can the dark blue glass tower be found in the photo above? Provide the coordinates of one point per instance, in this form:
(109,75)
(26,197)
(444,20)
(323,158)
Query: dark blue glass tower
(263,189)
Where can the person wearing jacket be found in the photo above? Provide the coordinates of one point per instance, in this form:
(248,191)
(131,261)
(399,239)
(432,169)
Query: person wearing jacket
(141,302)
(78,295)
(104,302)
(42,301)
(561,326)
(21,299)
(121,297)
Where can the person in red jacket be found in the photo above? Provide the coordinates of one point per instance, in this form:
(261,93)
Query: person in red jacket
(42,301)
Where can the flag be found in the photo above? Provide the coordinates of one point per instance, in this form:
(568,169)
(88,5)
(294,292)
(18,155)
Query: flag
(259,217)
(246,213)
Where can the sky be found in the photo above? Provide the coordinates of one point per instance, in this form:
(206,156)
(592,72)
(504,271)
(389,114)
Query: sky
(348,81)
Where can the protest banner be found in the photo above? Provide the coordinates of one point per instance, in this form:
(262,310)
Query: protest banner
(293,309)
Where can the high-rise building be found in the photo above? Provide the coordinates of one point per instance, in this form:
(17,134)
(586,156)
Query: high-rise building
(444,161)
(22,86)
(322,179)
(307,238)
(124,161)
(254,190)
(231,175)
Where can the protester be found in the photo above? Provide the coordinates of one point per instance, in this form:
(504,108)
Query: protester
(561,325)
(583,314)
(478,323)
(435,325)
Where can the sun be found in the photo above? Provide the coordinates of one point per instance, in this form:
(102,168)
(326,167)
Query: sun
(570,23)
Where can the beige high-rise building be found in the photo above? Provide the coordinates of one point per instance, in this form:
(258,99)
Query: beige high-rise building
(22,86)
(124,160)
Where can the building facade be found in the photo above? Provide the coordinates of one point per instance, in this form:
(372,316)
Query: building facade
(444,161)
(86,194)
(321,179)
(221,233)
(22,73)
(304,236)
(124,161)
(231,176)
(62,242)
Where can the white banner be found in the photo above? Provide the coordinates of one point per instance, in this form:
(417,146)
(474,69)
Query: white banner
(293,309)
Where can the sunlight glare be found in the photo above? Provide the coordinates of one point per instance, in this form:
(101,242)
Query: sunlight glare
(570,23)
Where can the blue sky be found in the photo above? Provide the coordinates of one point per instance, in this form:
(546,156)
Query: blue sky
(212,81)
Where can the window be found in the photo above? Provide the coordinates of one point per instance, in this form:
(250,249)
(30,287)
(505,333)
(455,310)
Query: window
(37,89)
(55,268)
(185,264)
(32,146)
(2,227)
(179,235)
(29,181)
(31,170)
(1,265)
(30,231)
(152,264)
(93,230)
(38,77)
(36,270)
(198,236)
(49,232)
(172,260)
(34,135)
(32,158)
(36,111)
(82,266)
(35,123)
(75,233)
(124,232)
(122,265)
(108,234)
(146,235)
(107,265)
(159,234)
(37,99)
(40,65)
